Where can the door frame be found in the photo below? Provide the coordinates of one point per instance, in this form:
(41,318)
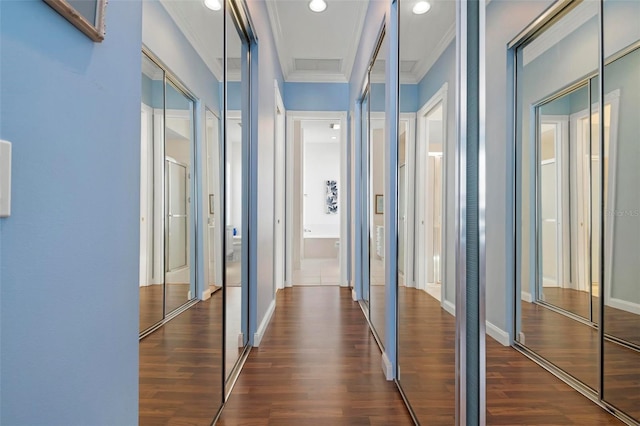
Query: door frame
(345,221)
(420,195)
(562,168)
(280,276)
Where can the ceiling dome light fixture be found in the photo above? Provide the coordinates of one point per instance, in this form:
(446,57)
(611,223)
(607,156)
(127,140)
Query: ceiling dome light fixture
(213,4)
(317,5)
(421,7)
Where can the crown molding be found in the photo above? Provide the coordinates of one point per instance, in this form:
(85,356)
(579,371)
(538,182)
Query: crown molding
(199,45)
(423,66)
(561,29)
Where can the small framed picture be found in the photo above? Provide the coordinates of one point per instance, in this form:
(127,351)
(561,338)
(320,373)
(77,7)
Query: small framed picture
(211,204)
(86,15)
(379,203)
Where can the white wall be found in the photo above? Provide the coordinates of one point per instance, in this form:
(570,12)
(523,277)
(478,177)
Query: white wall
(321,163)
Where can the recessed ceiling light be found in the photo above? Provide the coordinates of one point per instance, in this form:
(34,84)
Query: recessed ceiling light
(335,126)
(213,4)
(334,137)
(317,5)
(421,7)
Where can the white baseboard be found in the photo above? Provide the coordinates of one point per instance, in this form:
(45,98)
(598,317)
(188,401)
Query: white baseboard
(526,296)
(498,334)
(624,305)
(354,296)
(206,294)
(387,368)
(241,340)
(449,307)
(258,335)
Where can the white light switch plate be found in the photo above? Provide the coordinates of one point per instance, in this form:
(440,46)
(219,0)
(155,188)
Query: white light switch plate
(5,178)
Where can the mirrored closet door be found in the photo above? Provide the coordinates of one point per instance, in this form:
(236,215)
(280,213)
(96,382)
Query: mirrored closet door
(376,180)
(237,156)
(426,228)
(167,228)
(578,304)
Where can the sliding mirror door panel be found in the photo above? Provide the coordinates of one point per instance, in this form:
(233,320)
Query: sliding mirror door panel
(376,178)
(151,208)
(426,239)
(181,364)
(557,219)
(364,196)
(621,237)
(236,188)
(179,146)
(578,213)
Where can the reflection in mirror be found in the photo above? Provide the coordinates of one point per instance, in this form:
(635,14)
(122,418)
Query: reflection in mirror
(426,281)
(178,185)
(621,356)
(151,209)
(377,146)
(364,122)
(558,216)
(213,201)
(567,203)
(213,240)
(181,367)
(236,195)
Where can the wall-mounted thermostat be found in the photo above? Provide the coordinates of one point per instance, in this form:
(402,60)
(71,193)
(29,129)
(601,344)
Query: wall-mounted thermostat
(5,178)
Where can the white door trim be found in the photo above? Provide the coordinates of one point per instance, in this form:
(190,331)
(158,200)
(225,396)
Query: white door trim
(279,204)
(421,176)
(291,118)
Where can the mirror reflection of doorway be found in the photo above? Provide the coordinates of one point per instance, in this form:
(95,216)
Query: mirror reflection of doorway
(213,200)
(431,137)
(317,201)
(167,139)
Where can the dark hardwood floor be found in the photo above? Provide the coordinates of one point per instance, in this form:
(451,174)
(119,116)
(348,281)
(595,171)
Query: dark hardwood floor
(574,347)
(181,368)
(519,392)
(152,299)
(621,324)
(318,364)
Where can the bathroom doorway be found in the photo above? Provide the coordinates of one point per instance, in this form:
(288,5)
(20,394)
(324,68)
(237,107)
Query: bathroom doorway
(316,149)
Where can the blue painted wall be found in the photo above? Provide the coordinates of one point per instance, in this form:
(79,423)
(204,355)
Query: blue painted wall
(263,292)
(234,96)
(409,98)
(443,70)
(316,96)
(69,268)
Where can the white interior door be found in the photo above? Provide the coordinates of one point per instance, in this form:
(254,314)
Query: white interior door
(146,141)
(402,215)
(212,200)
(280,206)
(177,210)
(437,217)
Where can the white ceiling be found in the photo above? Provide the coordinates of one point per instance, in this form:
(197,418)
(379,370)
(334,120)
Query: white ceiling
(319,131)
(204,28)
(317,47)
(423,38)
(321,47)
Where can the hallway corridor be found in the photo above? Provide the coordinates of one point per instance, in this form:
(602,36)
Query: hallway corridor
(318,364)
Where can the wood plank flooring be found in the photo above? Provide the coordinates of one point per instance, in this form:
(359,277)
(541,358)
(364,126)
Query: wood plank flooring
(621,324)
(318,364)
(574,347)
(181,368)
(152,299)
(519,392)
